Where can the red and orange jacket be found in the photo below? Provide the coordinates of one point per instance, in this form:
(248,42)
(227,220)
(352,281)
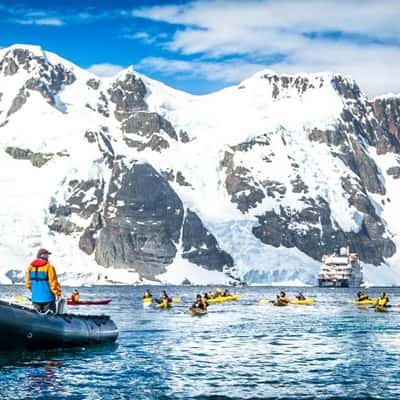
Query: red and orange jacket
(41,279)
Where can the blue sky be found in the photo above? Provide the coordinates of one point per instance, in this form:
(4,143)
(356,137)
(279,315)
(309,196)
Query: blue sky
(204,45)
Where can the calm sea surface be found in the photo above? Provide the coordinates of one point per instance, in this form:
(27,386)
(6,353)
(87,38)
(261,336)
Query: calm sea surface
(239,350)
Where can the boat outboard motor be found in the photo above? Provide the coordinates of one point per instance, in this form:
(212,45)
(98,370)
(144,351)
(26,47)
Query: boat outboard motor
(60,305)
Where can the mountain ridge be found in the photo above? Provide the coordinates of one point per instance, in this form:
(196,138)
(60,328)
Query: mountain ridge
(288,166)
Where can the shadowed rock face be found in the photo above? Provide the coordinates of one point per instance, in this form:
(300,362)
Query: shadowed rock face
(142,129)
(200,246)
(141,225)
(387,112)
(142,221)
(321,237)
(128,96)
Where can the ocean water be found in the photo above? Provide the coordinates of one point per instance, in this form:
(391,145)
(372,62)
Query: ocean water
(239,350)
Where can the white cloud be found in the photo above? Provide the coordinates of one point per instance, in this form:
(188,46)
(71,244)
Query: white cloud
(229,71)
(40,21)
(264,30)
(105,69)
(145,37)
(35,16)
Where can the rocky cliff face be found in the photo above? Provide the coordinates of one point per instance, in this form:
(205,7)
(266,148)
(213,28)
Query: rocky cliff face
(42,76)
(139,223)
(148,176)
(313,229)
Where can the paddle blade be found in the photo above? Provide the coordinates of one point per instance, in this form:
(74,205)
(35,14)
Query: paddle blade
(20,299)
(176,299)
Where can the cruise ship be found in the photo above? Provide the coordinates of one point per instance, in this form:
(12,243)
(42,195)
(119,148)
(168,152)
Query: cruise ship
(340,270)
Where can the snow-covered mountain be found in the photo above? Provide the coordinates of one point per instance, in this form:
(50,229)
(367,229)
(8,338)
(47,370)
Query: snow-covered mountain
(128,180)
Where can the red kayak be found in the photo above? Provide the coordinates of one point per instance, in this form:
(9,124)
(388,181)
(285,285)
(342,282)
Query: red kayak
(88,302)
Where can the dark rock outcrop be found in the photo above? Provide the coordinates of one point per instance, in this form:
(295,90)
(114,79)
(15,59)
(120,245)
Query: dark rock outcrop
(93,83)
(102,105)
(311,231)
(18,102)
(103,141)
(82,199)
(329,137)
(142,223)
(177,177)
(200,247)
(128,96)
(36,159)
(281,84)
(87,241)
(240,185)
(154,129)
(394,172)
(146,124)
(387,112)
(48,79)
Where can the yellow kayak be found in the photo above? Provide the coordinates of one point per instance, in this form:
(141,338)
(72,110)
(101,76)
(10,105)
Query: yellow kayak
(164,305)
(197,311)
(306,302)
(264,302)
(279,303)
(215,300)
(364,302)
(222,299)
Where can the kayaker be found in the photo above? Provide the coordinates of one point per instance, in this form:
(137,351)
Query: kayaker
(41,280)
(382,301)
(218,293)
(227,293)
(300,296)
(147,295)
(282,298)
(207,296)
(362,296)
(164,297)
(75,296)
(200,303)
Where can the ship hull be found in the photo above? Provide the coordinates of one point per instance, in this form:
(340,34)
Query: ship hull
(337,283)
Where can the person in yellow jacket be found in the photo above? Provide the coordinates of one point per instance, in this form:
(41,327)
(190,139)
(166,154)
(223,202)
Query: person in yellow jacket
(75,296)
(281,298)
(41,280)
(383,300)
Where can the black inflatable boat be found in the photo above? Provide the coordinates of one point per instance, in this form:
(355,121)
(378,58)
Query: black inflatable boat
(24,328)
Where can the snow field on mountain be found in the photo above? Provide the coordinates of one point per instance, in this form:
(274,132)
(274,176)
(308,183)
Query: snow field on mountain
(233,116)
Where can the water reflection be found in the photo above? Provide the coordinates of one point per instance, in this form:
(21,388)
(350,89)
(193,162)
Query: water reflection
(43,377)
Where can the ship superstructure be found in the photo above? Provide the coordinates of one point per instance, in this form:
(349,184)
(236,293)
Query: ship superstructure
(340,270)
